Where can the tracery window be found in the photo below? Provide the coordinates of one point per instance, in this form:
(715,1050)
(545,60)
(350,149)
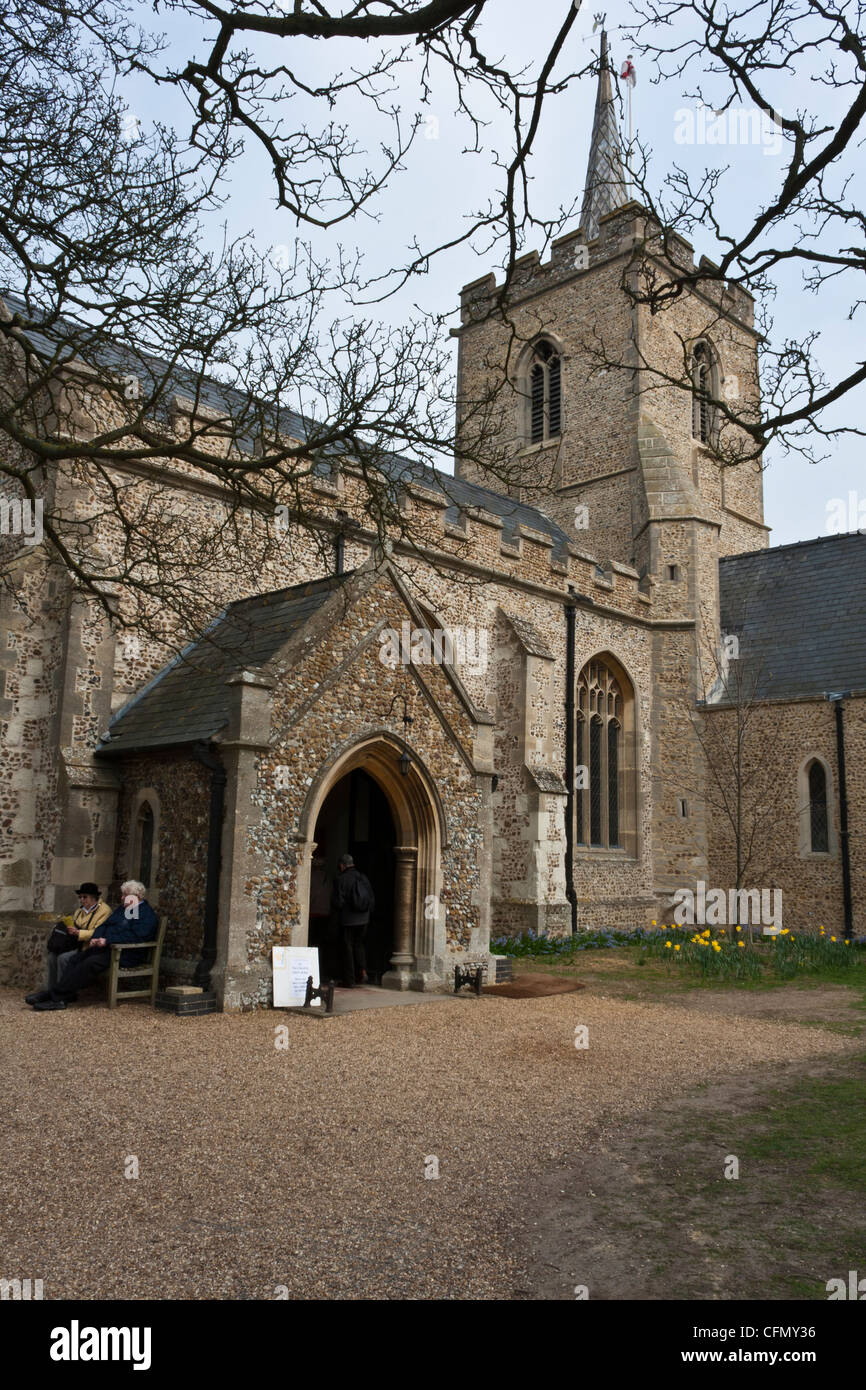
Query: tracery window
(600,732)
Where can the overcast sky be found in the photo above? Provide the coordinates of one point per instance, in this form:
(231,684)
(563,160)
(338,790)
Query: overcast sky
(442,184)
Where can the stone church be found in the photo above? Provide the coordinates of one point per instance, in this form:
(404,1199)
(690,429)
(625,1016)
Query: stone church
(529,738)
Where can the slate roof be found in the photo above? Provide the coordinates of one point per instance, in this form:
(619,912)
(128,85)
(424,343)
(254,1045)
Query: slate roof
(800,613)
(152,371)
(188,700)
(213,395)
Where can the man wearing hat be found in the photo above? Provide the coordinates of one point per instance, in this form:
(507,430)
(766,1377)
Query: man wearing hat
(80,925)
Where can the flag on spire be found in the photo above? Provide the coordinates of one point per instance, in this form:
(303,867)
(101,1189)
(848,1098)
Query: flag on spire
(606,187)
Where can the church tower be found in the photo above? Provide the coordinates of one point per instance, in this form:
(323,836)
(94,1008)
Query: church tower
(577,386)
(601,414)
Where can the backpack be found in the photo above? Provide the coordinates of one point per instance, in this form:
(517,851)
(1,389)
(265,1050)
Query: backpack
(362,894)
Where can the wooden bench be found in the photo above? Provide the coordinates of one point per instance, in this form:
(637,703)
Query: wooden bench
(117,972)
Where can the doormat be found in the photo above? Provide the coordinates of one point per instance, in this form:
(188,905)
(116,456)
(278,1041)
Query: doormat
(533,987)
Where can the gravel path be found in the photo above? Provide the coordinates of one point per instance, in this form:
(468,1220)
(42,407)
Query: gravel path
(304,1167)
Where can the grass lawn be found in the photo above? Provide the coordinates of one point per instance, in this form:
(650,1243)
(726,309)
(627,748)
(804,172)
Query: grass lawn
(649,1209)
(628,971)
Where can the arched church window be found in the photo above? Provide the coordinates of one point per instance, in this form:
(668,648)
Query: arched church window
(603,805)
(545,394)
(703,390)
(819,824)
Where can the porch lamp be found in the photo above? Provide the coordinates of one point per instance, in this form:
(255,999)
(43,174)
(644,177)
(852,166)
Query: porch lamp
(405,763)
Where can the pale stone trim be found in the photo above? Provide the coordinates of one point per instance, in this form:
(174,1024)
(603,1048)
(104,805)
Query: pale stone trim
(422,833)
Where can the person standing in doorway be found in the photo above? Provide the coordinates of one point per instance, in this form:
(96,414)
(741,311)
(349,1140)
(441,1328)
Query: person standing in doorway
(353,901)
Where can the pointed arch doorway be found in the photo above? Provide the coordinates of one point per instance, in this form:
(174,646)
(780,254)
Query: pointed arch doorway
(378,802)
(355,817)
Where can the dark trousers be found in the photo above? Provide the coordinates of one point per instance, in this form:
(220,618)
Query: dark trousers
(82,972)
(354,955)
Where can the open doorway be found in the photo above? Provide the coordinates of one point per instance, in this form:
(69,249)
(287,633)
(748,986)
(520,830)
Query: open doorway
(355,818)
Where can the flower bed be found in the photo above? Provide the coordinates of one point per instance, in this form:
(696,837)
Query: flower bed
(722,952)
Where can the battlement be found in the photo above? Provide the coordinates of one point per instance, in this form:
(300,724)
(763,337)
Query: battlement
(572,256)
(522,552)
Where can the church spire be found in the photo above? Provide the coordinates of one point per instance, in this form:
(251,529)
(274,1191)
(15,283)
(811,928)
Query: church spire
(606,187)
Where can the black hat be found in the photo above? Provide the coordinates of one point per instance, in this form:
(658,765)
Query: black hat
(91,889)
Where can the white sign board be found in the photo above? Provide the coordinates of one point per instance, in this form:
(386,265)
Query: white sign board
(293,965)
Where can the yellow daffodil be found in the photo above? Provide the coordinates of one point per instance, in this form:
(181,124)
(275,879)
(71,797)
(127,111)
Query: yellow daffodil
(676,948)
(832,938)
(668,944)
(742,945)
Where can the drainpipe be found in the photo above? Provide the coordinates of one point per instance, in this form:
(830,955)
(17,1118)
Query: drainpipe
(570,892)
(205,755)
(837,699)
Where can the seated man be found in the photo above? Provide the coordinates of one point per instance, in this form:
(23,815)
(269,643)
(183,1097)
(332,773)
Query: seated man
(134,920)
(80,926)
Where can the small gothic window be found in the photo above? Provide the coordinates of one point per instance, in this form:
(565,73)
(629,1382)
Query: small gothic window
(545,394)
(702,392)
(145,842)
(600,705)
(818,821)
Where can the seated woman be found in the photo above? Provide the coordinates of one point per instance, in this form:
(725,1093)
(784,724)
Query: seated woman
(80,926)
(134,920)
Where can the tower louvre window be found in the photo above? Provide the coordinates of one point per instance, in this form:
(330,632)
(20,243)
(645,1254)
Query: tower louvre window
(554,391)
(703,389)
(545,394)
(537,409)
